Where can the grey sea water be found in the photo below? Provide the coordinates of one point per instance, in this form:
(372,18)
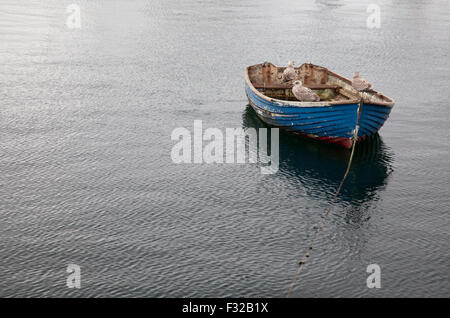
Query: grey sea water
(86,175)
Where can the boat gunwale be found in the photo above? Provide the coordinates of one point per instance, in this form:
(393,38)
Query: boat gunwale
(284,103)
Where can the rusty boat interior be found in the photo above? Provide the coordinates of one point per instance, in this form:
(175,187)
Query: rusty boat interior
(331,87)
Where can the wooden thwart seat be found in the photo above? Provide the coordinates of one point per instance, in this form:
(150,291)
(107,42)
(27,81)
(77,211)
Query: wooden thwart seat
(289,86)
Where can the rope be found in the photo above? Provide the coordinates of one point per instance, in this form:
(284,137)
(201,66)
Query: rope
(320,228)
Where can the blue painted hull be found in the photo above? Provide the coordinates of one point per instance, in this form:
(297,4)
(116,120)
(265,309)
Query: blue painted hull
(333,123)
(372,118)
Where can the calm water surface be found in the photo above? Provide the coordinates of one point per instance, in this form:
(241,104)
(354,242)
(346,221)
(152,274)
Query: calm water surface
(86,175)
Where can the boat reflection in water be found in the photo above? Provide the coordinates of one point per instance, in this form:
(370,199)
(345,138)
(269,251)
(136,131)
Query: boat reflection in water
(319,168)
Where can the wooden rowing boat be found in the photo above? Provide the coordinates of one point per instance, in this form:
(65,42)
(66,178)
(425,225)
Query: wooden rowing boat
(333,119)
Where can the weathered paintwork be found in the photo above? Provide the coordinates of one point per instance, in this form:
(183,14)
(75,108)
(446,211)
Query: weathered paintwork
(332,119)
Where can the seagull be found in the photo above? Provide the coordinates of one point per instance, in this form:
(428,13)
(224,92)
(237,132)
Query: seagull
(289,73)
(359,83)
(304,94)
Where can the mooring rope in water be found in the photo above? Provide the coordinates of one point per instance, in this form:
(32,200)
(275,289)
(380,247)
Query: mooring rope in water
(320,227)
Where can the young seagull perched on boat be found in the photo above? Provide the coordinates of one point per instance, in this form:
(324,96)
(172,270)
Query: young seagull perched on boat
(304,94)
(289,73)
(359,83)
